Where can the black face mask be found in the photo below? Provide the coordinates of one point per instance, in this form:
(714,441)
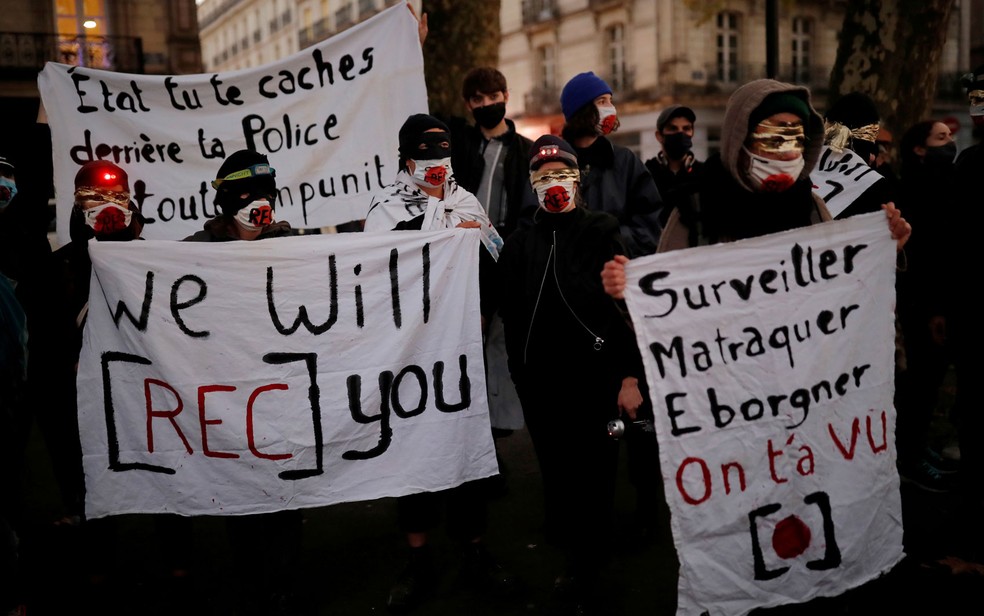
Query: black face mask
(940,155)
(432,150)
(676,145)
(489,116)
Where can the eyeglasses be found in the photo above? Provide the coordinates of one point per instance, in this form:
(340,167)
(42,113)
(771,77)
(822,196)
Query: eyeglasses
(249,172)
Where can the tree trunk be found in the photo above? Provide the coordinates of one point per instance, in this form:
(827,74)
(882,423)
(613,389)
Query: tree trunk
(462,34)
(890,50)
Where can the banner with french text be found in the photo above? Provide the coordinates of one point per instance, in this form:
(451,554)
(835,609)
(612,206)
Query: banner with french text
(770,365)
(248,377)
(841,177)
(327,117)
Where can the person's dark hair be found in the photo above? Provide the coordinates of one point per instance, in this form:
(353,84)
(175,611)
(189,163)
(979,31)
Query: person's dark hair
(484,80)
(583,123)
(915,137)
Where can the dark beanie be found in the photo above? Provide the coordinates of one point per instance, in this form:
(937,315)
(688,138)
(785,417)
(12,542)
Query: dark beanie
(582,89)
(779,102)
(552,148)
(415,126)
(101,173)
(228,192)
(853,110)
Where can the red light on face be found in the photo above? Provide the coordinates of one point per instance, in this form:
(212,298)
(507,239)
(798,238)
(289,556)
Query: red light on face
(109,176)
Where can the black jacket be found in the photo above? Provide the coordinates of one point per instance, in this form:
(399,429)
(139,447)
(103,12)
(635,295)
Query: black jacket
(614,180)
(553,305)
(468,163)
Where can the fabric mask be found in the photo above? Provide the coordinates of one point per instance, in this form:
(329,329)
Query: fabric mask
(555,189)
(107,218)
(256,215)
(8,189)
(489,116)
(941,154)
(608,119)
(431,173)
(676,145)
(769,175)
(433,147)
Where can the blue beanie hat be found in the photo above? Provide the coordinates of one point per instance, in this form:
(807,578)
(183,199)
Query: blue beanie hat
(581,90)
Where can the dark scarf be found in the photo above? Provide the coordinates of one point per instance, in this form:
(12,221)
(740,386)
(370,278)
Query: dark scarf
(726,211)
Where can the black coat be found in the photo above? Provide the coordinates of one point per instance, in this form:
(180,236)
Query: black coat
(553,307)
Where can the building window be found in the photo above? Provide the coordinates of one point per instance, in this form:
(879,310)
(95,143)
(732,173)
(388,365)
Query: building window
(615,41)
(366,8)
(547,61)
(802,49)
(727,47)
(343,16)
(82,30)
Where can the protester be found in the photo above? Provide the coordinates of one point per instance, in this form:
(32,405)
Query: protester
(926,200)
(759,183)
(489,161)
(675,164)
(613,179)
(426,196)
(13,380)
(574,362)
(24,261)
(965,336)
(852,123)
(245,195)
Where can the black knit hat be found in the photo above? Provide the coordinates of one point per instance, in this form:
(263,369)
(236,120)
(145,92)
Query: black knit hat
(258,179)
(552,148)
(780,102)
(853,110)
(415,126)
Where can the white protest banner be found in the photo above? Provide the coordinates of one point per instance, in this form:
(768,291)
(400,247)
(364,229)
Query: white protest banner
(770,364)
(840,178)
(327,117)
(247,377)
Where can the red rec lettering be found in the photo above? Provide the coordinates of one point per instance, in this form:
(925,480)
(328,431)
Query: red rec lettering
(204,421)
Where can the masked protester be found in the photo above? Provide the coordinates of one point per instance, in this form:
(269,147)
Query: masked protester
(927,201)
(101,211)
(613,179)
(425,196)
(246,195)
(675,165)
(490,161)
(852,123)
(574,362)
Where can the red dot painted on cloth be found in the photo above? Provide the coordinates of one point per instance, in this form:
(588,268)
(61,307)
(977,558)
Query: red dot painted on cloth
(791,537)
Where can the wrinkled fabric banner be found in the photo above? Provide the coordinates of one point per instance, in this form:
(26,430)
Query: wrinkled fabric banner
(248,377)
(770,364)
(327,117)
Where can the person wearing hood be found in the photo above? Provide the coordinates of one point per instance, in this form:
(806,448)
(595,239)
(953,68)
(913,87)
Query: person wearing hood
(613,179)
(675,165)
(573,360)
(759,183)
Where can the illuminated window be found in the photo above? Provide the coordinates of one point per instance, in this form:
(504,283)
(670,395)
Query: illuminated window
(82,29)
